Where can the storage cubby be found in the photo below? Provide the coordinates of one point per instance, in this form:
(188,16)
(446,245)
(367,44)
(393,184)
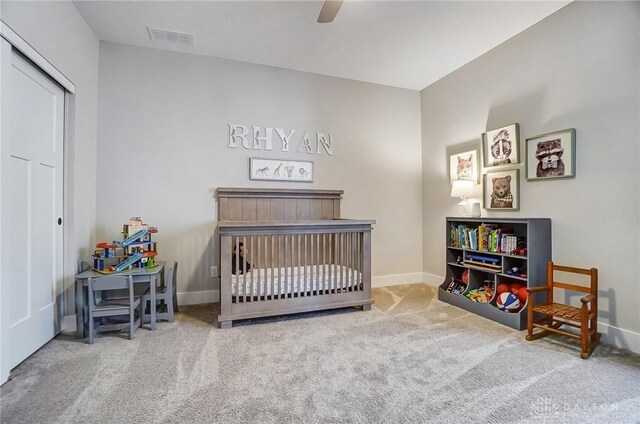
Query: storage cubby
(491,259)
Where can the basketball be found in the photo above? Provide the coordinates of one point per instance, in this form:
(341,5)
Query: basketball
(508,302)
(522,295)
(515,287)
(465,276)
(504,288)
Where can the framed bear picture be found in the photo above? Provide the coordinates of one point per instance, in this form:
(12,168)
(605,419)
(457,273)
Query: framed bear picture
(551,155)
(501,147)
(501,190)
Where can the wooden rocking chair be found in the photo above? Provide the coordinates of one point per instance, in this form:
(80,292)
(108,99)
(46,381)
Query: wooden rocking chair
(557,314)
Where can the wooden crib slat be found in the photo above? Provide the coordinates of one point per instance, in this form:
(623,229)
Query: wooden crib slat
(259,267)
(357,262)
(294,266)
(277,266)
(300,291)
(272,251)
(338,281)
(344,261)
(286,268)
(237,259)
(251,278)
(244,270)
(349,258)
(354,261)
(334,261)
(324,263)
(306,263)
(289,253)
(282,260)
(313,270)
(318,288)
(265,281)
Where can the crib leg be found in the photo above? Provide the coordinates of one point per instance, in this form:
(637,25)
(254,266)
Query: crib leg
(225,324)
(366,307)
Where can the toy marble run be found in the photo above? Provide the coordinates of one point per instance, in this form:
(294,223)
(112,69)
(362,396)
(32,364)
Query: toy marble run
(135,250)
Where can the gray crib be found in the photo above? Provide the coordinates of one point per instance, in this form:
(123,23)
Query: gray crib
(303,256)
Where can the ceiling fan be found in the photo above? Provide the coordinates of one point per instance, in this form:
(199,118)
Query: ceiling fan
(329,11)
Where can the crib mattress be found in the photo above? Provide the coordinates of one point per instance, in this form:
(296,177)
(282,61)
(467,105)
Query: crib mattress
(279,281)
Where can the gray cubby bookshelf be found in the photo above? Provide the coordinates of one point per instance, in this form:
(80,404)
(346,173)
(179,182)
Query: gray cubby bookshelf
(536,232)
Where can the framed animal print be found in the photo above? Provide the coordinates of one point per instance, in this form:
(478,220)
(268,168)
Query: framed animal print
(281,170)
(551,155)
(501,190)
(500,147)
(464,163)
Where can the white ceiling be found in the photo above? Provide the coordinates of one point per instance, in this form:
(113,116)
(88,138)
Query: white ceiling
(403,44)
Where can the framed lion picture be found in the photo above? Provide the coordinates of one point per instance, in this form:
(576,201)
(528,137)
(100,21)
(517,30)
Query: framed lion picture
(501,190)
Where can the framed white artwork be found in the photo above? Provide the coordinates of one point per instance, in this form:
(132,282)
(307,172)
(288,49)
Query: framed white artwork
(281,170)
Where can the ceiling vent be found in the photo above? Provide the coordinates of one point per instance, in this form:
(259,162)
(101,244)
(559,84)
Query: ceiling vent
(170,36)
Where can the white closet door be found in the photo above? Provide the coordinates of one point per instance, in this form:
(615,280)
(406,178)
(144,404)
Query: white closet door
(31,184)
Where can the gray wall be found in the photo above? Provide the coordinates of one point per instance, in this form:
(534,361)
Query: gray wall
(578,68)
(162,149)
(60,34)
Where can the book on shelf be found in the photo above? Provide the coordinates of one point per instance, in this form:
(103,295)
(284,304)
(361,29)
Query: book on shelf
(484,238)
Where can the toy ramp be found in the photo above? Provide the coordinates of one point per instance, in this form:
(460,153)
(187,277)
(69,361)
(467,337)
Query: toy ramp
(132,239)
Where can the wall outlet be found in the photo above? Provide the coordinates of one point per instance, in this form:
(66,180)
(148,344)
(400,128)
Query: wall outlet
(214,271)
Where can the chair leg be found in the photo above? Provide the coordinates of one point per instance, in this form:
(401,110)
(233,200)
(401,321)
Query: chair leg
(175,302)
(170,316)
(132,321)
(584,333)
(91,327)
(530,319)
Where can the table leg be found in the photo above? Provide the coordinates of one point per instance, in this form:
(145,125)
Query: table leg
(79,309)
(152,295)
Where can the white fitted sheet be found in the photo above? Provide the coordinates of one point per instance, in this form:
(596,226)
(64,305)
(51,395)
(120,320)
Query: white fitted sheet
(294,280)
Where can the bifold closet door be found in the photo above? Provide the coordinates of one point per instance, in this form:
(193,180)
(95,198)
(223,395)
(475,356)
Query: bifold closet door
(31,188)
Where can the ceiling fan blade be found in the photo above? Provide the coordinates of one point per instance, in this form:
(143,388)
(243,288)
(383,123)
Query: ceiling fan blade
(329,11)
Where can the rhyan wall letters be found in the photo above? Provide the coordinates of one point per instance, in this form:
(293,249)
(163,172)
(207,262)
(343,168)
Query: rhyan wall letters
(261,138)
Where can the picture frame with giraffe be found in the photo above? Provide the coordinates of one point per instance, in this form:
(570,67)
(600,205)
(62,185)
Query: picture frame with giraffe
(281,170)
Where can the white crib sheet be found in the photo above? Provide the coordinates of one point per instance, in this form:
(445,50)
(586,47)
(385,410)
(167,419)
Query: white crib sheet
(298,279)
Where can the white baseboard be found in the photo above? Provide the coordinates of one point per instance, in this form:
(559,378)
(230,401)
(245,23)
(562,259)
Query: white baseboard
(432,279)
(196,298)
(396,279)
(69,324)
(619,337)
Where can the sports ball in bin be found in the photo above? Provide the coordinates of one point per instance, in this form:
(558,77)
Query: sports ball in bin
(508,302)
(465,276)
(515,287)
(504,288)
(522,295)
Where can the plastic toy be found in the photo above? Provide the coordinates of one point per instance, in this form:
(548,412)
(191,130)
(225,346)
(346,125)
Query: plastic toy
(135,249)
(520,250)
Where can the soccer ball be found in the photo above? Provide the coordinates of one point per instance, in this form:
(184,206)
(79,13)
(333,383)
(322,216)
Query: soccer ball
(508,302)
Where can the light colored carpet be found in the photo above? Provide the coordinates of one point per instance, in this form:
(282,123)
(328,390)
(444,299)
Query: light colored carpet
(411,359)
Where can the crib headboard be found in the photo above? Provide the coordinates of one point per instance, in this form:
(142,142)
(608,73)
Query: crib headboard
(277,204)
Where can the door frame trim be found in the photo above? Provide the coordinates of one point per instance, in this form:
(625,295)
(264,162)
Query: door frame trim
(69,89)
(25,48)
